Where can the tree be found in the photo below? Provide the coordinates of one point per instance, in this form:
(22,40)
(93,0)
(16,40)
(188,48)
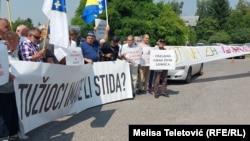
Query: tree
(243,7)
(214,15)
(206,27)
(220,37)
(19,21)
(177,6)
(235,21)
(219,10)
(239,22)
(168,25)
(241,35)
(138,17)
(192,37)
(202,8)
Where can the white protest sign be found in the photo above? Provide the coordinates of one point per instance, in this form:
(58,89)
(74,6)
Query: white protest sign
(74,57)
(4,64)
(100,28)
(162,60)
(145,58)
(133,55)
(59,53)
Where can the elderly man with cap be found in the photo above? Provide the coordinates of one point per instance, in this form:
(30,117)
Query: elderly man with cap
(91,47)
(109,51)
(160,75)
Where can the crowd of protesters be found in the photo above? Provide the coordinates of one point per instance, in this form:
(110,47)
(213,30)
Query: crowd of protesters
(33,45)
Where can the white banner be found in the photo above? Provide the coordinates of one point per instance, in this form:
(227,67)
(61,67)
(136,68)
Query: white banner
(46,92)
(4,64)
(186,55)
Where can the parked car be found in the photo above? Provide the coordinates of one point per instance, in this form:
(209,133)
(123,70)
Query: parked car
(217,44)
(199,44)
(185,73)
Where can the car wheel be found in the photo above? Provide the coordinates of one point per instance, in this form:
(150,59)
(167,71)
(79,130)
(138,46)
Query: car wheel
(243,57)
(201,70)
(189,76)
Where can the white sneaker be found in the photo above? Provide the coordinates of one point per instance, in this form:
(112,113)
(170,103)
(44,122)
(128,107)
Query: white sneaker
(22,136)
(13,138)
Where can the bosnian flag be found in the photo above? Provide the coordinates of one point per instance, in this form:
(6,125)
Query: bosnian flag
(92,9)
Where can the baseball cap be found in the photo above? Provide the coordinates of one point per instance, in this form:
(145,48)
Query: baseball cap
(90,33)
(116,39)
(161,40)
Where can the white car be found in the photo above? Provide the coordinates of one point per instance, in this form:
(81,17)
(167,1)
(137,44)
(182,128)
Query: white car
(185,73)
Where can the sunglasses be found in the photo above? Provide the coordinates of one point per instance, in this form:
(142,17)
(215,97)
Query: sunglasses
(37,37)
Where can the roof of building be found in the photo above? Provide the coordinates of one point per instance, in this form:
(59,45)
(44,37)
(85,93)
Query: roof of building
(190,20)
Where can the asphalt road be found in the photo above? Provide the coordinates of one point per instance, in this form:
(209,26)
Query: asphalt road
(220,96)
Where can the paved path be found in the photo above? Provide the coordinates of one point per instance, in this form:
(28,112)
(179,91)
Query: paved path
(220,96)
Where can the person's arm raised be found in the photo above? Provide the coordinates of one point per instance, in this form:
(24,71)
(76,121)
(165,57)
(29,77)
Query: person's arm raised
(106,36)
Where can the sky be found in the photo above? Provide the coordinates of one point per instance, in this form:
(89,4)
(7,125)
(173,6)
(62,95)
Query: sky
(33,9)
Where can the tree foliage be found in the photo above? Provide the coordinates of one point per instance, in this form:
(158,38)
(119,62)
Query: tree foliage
(28,22)
(241,35)
(243,7)
(219,10)
(168,25)
(220,37)
(218,23)
(206,27)
(138,17)
(202,8)
(177,6)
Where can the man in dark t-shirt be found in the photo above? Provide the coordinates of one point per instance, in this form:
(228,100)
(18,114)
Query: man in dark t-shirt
(109,51)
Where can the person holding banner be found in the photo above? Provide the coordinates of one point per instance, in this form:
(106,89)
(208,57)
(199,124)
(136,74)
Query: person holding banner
(132,54)
(29,49)
(8,105)
(91,47)
(4,27)
(160,74)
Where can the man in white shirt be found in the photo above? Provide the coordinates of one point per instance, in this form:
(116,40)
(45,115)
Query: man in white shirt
(144,71)
(131,53)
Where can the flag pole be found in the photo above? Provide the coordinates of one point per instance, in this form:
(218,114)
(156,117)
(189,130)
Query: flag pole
(106,9)
(9,15)
(47,30)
